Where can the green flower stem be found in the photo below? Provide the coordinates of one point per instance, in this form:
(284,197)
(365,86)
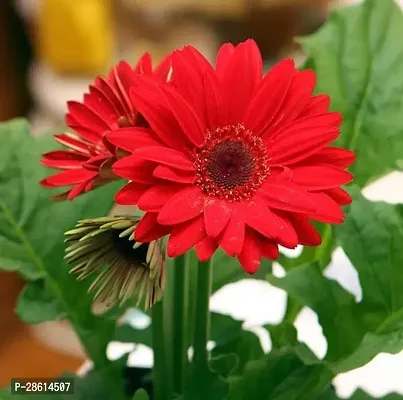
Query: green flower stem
(180,318)
(202,315)
(159,377)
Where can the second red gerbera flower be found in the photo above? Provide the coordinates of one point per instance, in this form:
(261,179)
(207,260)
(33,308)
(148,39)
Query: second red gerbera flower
(233,159)
(87,161)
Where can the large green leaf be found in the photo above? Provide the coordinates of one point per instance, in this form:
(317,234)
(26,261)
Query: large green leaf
(372,238)
(32,234)
(202,385)
(280,375)
(37,303)
(246,345)
(6,395)
(356,332)
(31,227)
(358,62)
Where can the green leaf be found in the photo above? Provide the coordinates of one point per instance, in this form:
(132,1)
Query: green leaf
(246,345)
(6,395)
(205,385)
(283,335)
(358,61)
(37,304)
(223,328)
(95,385)
(140,394)
(280,375)
(225,364)
(372,238)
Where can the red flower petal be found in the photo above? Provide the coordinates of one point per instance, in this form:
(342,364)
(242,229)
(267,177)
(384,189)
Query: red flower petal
(296,145)
(149,229)
(297,98)
(287,236)
(250,255)
(132,138)
(150,102)
(189,122)
(63,159)
(184,205)
(155,197)
(332,155)
(216,216)
(76,191)
(307,234)
(327,209)
(224,56)
(163,68)
(269,97)
(183,237)
(144,64)
(232,238)
(70,177)
(245,67)
(269,250)
(124,79)
(170,174)
(286,196)
(187,68)
(102,105)
(320,176)
(134,169)
(73,143)
(130,194)
(317,105)
(261,219)
(81,116)
(302,125)
(206,248)
(212,101)
(339,195)
(165,156)
(106,86)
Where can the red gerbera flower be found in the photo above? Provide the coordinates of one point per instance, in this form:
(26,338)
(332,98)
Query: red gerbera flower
(233,158)
(87,162)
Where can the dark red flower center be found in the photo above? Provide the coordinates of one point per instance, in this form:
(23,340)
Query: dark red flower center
(232,163)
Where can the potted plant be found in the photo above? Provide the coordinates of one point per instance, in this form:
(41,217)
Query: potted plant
(224,166)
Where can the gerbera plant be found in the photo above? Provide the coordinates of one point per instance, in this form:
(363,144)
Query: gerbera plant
(207,173)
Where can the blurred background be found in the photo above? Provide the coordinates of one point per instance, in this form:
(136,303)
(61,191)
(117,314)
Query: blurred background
(50,50)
